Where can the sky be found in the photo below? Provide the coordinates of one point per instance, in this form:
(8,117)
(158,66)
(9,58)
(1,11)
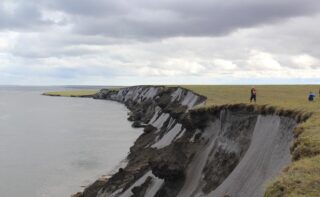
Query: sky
(131,42)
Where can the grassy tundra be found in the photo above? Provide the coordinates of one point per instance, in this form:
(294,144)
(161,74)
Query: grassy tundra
(302,177)
(72,93)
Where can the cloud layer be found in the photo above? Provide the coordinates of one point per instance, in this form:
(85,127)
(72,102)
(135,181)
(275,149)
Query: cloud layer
(169,41)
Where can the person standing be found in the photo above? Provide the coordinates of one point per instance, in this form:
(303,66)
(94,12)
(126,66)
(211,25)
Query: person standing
(311,96)
(253,96)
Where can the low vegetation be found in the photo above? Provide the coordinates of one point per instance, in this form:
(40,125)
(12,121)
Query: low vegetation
(302,177)
(72,93)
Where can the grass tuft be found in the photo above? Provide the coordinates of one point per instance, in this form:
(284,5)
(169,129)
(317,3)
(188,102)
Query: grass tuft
(300,179)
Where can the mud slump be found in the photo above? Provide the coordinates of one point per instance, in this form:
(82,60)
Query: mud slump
(229,150)
(240,152)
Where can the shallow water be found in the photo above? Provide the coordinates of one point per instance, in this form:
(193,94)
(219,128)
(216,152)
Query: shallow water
(51,146)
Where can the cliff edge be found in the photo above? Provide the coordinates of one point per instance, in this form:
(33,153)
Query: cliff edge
(230,150)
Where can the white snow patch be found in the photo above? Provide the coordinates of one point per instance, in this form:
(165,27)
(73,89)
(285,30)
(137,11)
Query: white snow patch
(155,186)
(161,120)
(194,172)
(180,134)
(176,95)
(155,115)
(136,93)
(151,93)
(171,122)
(167,139)
(139,182)
(128,95)
(267,154)
(190,100)
(114,194)
(151,191)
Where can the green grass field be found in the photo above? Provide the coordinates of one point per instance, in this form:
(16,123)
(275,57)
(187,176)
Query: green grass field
(72,93)
(302,177)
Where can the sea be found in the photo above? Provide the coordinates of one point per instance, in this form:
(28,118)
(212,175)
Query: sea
(55,146)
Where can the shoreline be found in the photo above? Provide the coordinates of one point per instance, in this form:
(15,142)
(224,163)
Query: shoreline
(73,93)
(176,112)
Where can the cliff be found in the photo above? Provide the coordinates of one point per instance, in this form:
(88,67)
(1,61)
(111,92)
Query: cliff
(230,150)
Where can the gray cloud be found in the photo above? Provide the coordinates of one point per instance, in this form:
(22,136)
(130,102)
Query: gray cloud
(146,41)
(145,19)
(22,15)
(93,8)
(150,19)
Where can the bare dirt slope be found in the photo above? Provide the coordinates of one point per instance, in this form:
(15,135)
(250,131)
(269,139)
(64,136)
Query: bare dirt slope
(231,150)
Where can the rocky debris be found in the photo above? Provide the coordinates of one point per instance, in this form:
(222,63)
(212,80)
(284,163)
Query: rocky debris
(167,171)
(217,171)
(149,129)
(140,191)
(104,94)
(93,189)
(79,194)
(138,124)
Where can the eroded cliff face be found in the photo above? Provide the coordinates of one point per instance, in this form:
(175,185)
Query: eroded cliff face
(225,151)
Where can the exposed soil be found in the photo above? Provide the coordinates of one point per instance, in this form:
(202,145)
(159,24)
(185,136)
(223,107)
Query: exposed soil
(222,151)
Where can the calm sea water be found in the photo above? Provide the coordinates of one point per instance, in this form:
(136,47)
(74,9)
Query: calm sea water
(51,146)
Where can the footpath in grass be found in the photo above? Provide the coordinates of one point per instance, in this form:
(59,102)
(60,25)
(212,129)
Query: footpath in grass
(302,176)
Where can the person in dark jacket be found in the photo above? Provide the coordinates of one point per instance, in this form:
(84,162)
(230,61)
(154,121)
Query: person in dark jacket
(311,96)
(253,96)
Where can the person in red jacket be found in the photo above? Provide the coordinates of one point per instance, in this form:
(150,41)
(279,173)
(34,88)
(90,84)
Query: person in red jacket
(253,95)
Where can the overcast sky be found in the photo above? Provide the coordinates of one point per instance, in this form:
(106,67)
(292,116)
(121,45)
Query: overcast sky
(128,42)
